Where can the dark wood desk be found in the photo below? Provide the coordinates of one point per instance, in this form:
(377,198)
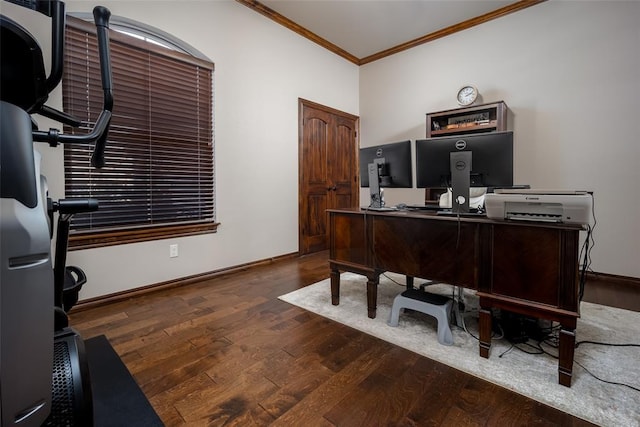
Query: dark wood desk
(526,268)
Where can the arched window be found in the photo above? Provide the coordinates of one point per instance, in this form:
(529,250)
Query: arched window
(158,180)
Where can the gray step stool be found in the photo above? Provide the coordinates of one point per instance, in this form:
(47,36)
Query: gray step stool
(434,305)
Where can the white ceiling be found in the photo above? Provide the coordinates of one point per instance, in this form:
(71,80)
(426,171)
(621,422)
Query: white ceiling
(367,27)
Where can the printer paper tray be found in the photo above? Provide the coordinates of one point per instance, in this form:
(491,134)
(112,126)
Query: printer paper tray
(536,218)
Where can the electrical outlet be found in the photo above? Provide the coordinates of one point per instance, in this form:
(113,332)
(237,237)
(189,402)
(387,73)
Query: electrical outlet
(173,251)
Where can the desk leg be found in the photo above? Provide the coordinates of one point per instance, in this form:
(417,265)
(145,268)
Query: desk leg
(335,287)
(485,332)
(565,355)
(372,295)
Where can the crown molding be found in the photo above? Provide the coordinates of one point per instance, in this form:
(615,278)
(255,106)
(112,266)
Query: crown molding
(286,22)
(469,23)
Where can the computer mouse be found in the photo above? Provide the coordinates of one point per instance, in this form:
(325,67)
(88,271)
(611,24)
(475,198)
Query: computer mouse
(401,206)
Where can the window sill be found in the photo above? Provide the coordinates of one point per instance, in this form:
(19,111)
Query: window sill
(94,239)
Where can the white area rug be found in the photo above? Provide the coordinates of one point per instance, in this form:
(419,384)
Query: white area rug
(535,376)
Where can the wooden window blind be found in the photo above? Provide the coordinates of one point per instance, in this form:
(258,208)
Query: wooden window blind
(158,180)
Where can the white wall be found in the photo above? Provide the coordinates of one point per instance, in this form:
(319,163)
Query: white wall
(261,69)
(567,70)
(570,74)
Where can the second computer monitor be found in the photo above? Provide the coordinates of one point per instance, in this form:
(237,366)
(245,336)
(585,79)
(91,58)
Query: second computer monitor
(394,160)
(387,165)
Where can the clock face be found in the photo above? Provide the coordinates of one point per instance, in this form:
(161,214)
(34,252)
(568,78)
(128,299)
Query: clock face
(467,95)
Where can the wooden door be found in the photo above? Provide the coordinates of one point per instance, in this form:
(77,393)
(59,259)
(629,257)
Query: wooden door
(328,170)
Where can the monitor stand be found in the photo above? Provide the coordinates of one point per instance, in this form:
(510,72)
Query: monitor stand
(377,197)
(460,166)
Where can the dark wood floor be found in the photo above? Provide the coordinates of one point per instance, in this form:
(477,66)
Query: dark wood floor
(227,352)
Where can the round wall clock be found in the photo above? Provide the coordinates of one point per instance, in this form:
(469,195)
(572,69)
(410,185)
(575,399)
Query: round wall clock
(467,95)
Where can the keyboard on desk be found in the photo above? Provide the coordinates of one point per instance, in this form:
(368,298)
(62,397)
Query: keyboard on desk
(473,213)
(382,209)
(424,207)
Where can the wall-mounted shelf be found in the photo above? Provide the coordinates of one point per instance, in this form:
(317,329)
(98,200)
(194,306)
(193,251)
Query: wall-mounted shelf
(475,119)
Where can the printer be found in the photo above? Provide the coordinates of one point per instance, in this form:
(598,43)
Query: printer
(560,206)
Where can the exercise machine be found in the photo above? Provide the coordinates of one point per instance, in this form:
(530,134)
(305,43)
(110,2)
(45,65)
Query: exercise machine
(44,378)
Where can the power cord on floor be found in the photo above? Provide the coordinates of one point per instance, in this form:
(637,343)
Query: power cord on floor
(537,349)
(609,345)
(552,341)
(606,343)
(603,380)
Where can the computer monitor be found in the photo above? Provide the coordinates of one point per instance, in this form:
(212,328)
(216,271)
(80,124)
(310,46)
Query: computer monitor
(385,166)
(463,161)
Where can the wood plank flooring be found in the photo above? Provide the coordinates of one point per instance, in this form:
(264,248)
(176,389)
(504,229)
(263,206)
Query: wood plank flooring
(226,351)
